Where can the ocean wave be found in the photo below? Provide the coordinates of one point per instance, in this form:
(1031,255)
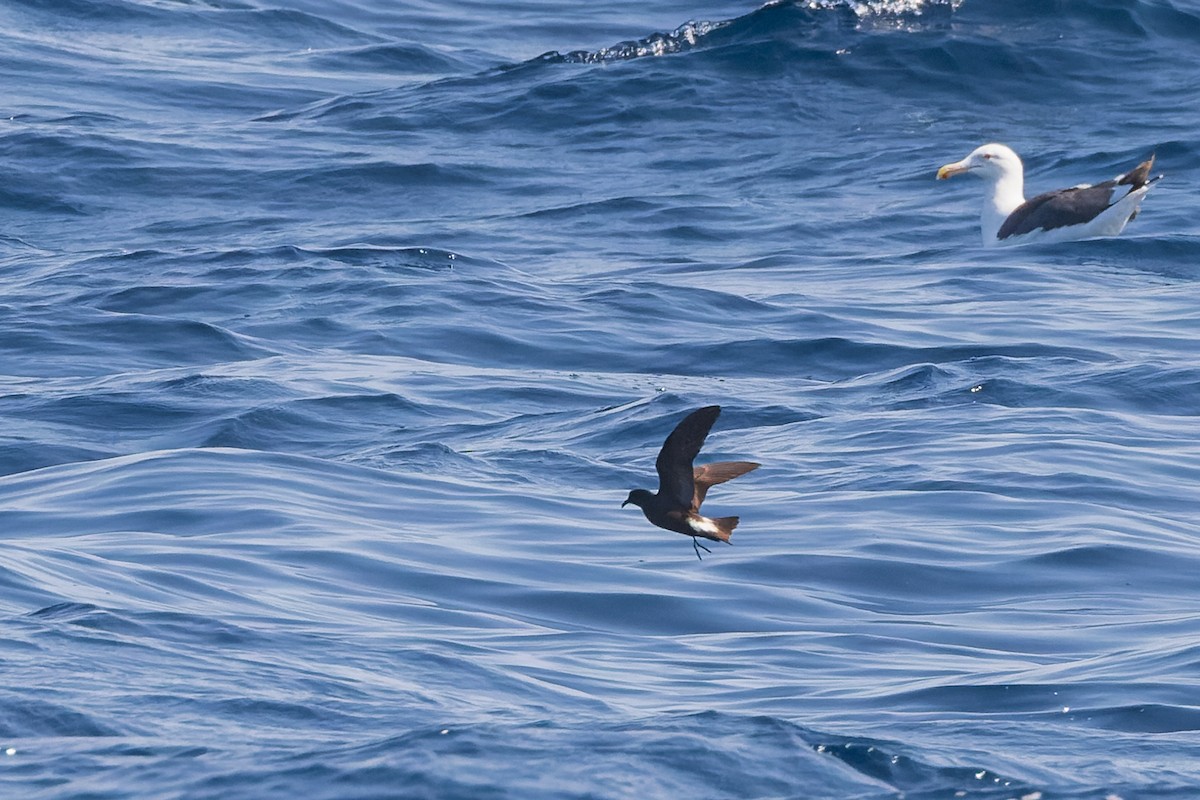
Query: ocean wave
(777,17)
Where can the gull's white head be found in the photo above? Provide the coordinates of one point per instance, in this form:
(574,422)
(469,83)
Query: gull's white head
(993,162)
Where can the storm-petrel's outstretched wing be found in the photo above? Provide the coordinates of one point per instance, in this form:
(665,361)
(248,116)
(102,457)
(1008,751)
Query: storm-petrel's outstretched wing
(676,483)
(712,474)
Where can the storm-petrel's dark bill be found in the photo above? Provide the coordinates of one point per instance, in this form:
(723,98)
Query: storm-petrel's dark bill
(681,487)
(1064,215)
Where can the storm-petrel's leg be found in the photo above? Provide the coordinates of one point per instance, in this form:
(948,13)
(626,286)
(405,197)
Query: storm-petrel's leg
(698,547)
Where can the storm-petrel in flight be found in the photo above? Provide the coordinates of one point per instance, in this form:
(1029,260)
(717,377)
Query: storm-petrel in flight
(681,488)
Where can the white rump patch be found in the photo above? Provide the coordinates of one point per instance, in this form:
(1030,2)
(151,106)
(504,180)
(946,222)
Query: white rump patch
(702,524)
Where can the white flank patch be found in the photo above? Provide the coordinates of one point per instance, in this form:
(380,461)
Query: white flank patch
(702,524)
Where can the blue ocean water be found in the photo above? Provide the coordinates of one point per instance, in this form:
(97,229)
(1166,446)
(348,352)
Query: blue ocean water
(334,333)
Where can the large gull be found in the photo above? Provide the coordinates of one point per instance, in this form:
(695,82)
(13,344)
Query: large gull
(1063,215)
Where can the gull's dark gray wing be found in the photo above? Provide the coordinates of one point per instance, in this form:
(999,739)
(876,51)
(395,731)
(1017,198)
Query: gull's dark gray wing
(1060,208)
(1074,206)
(675,481)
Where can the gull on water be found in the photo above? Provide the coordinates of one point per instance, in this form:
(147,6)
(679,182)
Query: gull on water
(1063,215)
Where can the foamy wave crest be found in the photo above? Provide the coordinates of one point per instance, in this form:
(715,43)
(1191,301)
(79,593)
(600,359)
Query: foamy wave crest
(683,38)
(693,34)
(880,8)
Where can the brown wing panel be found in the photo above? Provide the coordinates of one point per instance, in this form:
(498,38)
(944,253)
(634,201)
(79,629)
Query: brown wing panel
(708,475)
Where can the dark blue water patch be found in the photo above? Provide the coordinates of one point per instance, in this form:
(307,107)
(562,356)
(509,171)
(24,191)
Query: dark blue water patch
(976,67)
(833,358)
(904,774)
(148,89)
(47,169)
(542,103)
(290,426)
(22,453)
(72,346)
(1170,256)
(907,587)
(423,457)
(394,59)
(39,718)
(116,11)
(165,626)
(38,202)
(1147,389)
(1127,18)
(120,412)
(415,180)
(1107,558)
(63,611)
(159,300)
(94,173)
(1024,385)
(1147,718)
(225,23)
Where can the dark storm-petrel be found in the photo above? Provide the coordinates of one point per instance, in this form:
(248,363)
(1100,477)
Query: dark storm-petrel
(681,487)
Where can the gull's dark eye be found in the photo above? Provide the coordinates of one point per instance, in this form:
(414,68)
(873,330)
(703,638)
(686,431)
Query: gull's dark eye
(987,156)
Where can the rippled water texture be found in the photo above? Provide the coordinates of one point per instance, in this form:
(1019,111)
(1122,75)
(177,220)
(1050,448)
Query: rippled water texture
(334,333)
